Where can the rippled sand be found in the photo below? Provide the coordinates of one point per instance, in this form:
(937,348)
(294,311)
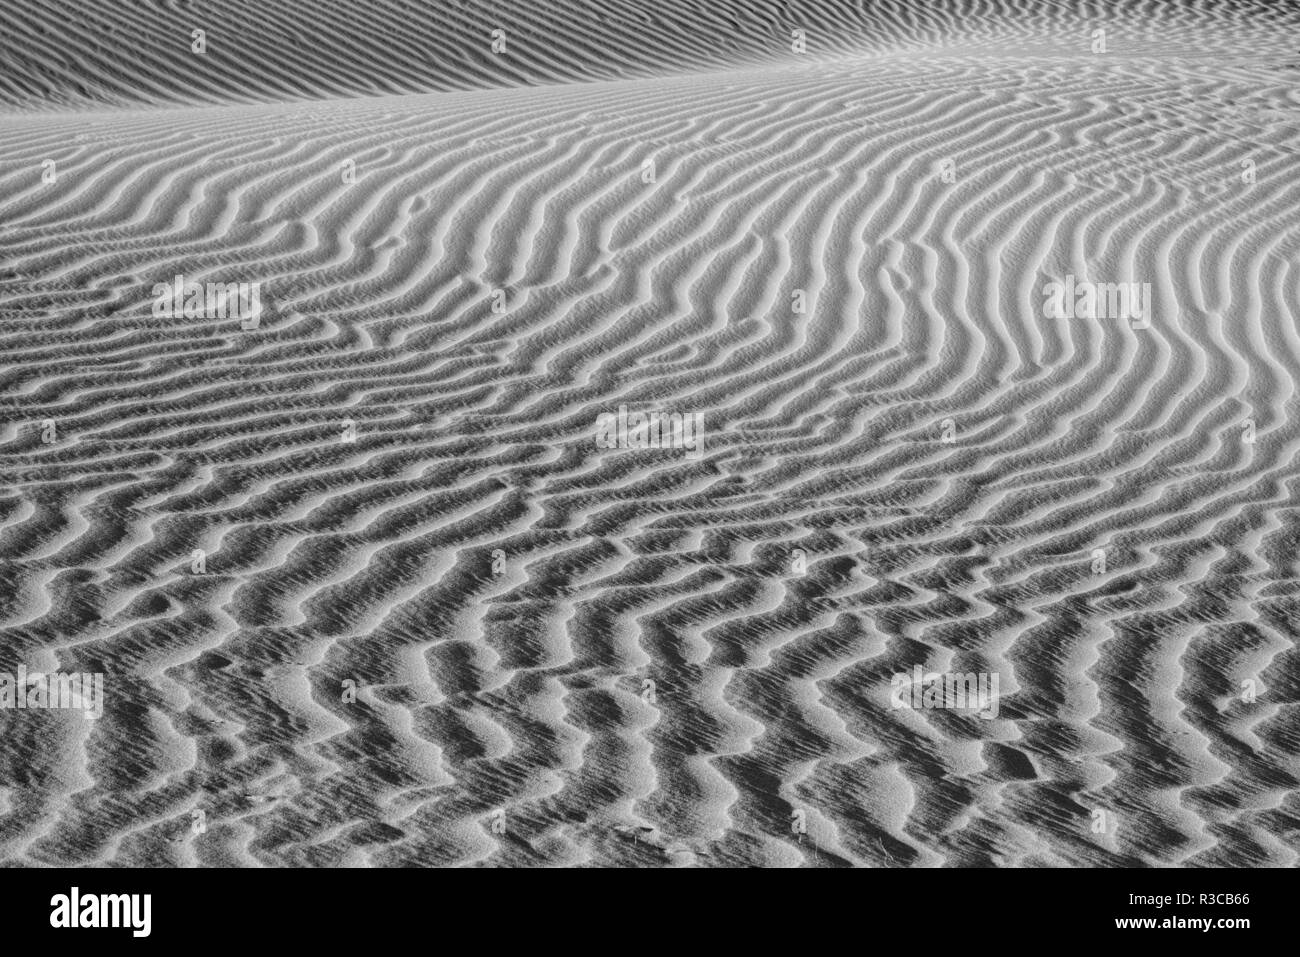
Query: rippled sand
(364,589)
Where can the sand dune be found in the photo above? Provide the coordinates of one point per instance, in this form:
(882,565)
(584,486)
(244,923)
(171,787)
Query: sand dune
(363,588)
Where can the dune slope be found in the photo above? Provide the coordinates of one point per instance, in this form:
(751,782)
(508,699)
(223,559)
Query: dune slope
(365,590)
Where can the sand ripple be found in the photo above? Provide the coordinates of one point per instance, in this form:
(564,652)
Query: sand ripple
(563,654)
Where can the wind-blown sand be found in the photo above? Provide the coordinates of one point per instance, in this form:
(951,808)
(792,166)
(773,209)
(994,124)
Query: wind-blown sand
(433,623)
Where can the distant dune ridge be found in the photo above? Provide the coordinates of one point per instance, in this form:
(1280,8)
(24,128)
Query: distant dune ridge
(416,563)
